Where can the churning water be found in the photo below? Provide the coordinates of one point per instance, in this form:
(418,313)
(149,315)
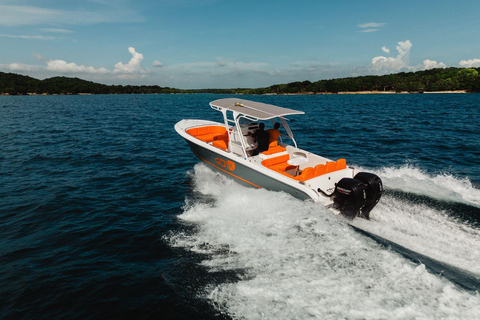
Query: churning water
(105,213)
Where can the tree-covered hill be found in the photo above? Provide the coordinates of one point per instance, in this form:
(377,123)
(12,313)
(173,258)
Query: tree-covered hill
(448,79)
(17,84)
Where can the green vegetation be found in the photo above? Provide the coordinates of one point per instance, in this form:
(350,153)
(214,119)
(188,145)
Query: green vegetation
(15,84)
(448,79)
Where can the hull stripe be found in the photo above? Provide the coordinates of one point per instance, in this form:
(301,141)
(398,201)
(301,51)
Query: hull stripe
(227,171)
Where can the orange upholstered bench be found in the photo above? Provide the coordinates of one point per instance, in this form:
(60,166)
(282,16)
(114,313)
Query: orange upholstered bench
(307,173)
(331,166)
(278,163)
(208,134)
(321,169)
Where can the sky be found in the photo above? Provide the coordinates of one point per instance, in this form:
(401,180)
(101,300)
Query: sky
(197,44)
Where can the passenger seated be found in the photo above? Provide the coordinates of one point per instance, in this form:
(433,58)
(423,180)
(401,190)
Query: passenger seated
(261,137)
(274,134)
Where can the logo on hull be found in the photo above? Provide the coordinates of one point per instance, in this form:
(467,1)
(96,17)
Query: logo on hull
(230,165)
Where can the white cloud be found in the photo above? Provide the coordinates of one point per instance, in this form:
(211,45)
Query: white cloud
(130,70)
(404,47)
(384,65)
(432,64)
(19,67)
(53,30)
(17,15)
(62,66)
(133,66)
(157,64)
(470,63)
(27,37)
(25,15)
(371,26)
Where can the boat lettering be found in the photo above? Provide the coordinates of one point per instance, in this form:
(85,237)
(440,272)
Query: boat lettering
(343,190)
(225,163)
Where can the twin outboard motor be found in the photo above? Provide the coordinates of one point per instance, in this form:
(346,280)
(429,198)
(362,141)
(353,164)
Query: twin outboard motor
(358,196)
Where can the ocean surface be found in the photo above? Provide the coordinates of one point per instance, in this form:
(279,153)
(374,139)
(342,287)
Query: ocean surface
(106,214)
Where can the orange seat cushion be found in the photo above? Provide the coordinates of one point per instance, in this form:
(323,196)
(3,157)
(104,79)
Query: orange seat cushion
(221,144)
(330,167)
(307,173)
(206,130)
(272,150)
(273,161)
(207,137)
(273,144)
(341,164)
(208,133)
(319,170)
(282,167)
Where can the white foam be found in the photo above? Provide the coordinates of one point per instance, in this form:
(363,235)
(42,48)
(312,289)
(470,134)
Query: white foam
(427,231)
(300,262)
(441,186)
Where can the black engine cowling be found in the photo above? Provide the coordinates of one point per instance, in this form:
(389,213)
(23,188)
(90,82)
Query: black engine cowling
(358,196)
(374,189)
(349,197)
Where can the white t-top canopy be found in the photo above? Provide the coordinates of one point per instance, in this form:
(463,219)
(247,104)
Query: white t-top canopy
(257,110)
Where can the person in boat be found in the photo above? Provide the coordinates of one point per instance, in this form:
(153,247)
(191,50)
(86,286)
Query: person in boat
(274,134)
(262,138)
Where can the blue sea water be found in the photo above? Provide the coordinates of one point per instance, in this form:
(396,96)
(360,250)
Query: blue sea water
(105,213)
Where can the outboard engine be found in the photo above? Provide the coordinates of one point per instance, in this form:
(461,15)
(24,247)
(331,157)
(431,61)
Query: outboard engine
(349,197)
(358,196)
(373,187)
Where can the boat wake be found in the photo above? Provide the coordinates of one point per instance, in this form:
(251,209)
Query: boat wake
(445,187)
(436,216)
(294,259)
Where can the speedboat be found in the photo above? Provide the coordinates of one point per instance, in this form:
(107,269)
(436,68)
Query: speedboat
(228,148)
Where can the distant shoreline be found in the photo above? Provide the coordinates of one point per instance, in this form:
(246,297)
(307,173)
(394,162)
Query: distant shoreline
(366,92)
(401,92)
(266,94)
(448,80)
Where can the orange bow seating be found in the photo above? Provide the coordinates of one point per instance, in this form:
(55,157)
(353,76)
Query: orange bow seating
(209,133)
(307,173)
(278,163)
(221,144)
(223,137)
